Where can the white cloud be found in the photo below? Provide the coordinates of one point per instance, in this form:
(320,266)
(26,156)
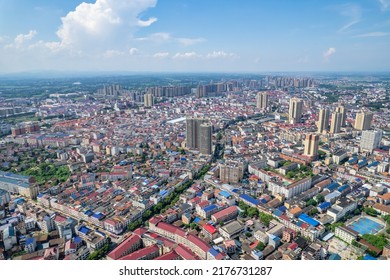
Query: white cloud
(21,39)
(190,41)
(162,37)
(186,55)
(133,51)
(144,23)
(113,53)
(157,37)
(102,24)
(385,4)
(220,54)
(328,54)
(351,11)
(372,34)
(161,54)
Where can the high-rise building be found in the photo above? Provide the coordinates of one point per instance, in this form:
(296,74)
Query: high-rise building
(371,139)
(193,132)
(311,145)
(295,110)
(323,120)
(341,109)
(231,172)
(262,100)
(335,123)
(148,100)
(205,139)
(363,120)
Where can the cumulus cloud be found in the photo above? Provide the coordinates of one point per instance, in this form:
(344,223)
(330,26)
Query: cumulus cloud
(133,51)
(103,23)
(185,55)
(328,54)
(161,54)
(372,34)
(22,38)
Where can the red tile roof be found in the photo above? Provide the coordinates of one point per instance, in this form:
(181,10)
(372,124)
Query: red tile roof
(124,246)
(185,253)
(225,212)
(168,256)
(141,253)
(210,228)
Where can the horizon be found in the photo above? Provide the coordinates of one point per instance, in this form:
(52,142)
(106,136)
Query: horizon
(162,36)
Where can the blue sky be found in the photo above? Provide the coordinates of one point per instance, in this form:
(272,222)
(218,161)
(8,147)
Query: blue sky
(194,35)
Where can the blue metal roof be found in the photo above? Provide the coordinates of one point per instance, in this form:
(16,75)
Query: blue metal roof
(249,199)
(30,240)
(324,205)
(374,163)
(163,192)
(278,213)
(88,213)
(282,208)
(196,220)
(343,188)
(224,194)
(305,218)
(98,215)
(352,160)
(332,186)
(77,239)
(84,230)
(213,252)
(210,208)
(369,258)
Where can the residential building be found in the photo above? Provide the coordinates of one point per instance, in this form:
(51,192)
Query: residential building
(371,139)
(347,234)
(262,100)
(311,145)
(323,120)
(295,110)
(363,120)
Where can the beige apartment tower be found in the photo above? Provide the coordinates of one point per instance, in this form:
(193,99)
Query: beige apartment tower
(262,100)
(148,100)
(341,109)
(295,110)
(323,120)
(363,120)
(205,145)
(311,145)
(335,123)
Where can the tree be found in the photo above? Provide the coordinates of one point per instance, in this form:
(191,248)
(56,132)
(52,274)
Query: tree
(320,198)
(290,175)
(253,212)
(311,202)
(371,212)
(260,246)
(313,211)
(378,241)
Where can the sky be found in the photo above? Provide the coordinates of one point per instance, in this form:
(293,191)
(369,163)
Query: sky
(194,35)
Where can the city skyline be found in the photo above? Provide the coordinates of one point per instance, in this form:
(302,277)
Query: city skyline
(188,36)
